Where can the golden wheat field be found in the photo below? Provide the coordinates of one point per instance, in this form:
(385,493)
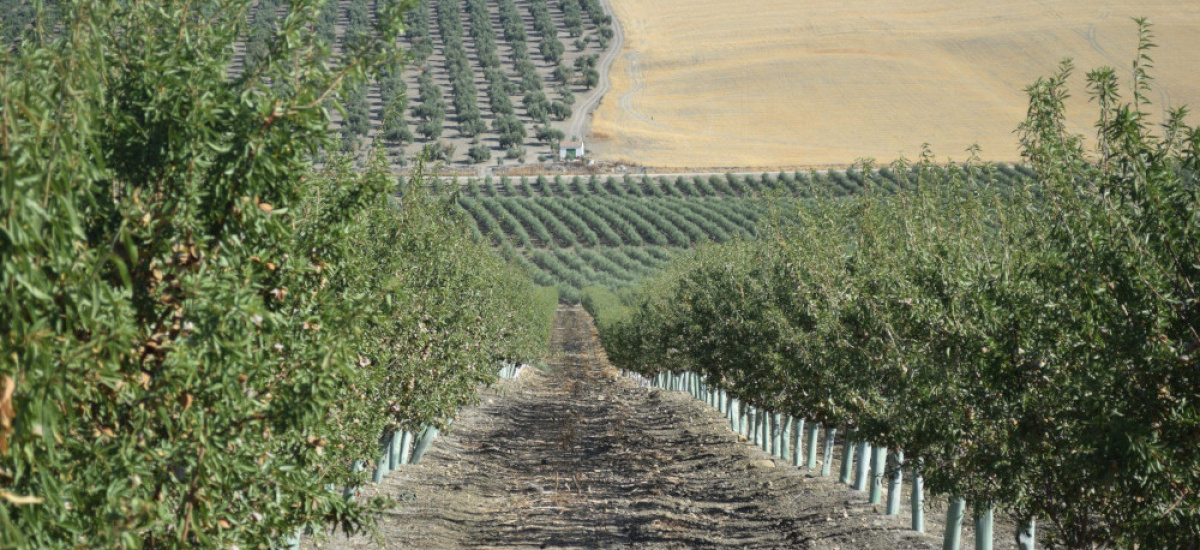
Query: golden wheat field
(710,83)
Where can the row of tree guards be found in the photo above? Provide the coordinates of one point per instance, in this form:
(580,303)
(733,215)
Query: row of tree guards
(864,466)
(400,447)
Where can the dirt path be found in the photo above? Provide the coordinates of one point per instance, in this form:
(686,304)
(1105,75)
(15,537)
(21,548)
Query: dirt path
(578,456)
(635,75)
(582,115)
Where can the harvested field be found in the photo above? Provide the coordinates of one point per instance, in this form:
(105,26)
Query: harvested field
(786,83)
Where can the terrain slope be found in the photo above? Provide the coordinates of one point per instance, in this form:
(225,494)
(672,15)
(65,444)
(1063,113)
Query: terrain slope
(700,83)
(578,456)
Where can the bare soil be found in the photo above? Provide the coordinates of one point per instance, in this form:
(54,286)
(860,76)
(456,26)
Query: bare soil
(580,456)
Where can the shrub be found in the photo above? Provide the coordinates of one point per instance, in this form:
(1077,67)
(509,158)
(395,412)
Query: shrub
(479,154)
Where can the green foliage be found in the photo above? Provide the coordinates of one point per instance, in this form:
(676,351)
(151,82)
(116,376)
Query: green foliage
(457,64)
(395,130)
(604,306)
(528,220)
(549,135)
(561,234)
(606,219)
(438,151)
(531,80)
(570,211)
(508,222)
(199,332)
(358,116)
(572,17)
(507,185)
(596,224)
(431,111)
(632,188)
(511,130)
(645,229)
(489,187)
(536,105)
(596,13)
(668,187)
(526,188)
(485,37)
(484,220)
(700,226)
(480,154)
(562,74)
(1034,344)
(615,222)
(416,32)
(591,78)
(544,305)
(551,47)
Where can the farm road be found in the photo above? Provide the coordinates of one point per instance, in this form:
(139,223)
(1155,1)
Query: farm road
(578,456)
(583,112)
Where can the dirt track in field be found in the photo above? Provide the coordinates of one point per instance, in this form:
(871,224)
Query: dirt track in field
(579,456)
(825,82)
(581,115)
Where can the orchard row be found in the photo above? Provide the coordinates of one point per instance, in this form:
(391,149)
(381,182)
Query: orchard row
(201,332)
(578,231)
(494,74)
(1029,350)
(608,241)
(834,183)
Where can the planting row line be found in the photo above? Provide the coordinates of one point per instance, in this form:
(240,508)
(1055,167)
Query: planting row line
(610,221)
(799,184)
(572,270)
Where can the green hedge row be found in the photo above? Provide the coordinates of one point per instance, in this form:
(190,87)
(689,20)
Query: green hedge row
(794,184)
(200,331)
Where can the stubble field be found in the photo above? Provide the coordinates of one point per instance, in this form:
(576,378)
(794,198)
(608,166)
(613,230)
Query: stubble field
(820,82)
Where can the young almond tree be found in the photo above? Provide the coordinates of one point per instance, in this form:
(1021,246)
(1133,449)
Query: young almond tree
(199,332)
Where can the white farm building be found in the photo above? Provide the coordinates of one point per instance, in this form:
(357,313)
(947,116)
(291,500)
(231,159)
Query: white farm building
(570,150)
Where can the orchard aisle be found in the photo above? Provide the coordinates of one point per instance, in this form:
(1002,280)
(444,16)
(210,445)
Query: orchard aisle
(579,457)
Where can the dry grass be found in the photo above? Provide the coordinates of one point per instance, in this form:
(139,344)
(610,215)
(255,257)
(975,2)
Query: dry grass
(786,83)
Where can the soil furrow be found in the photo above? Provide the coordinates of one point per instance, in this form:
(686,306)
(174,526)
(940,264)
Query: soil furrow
(578,456)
